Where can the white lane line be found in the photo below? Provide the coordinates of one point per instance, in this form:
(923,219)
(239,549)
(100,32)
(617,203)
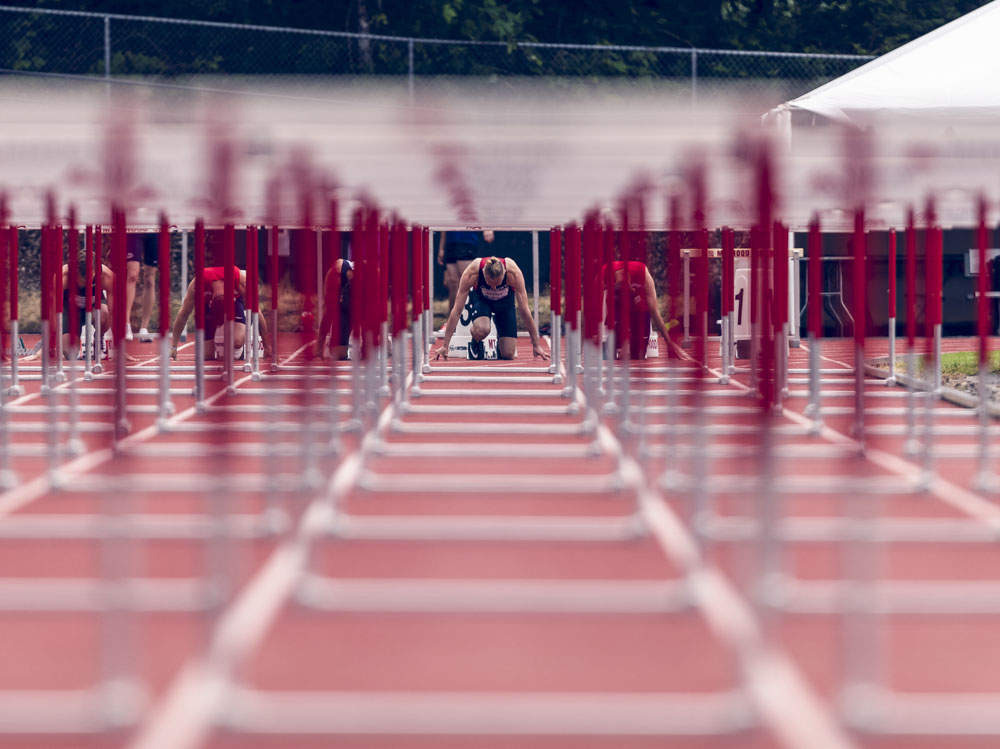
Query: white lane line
(105,372)
(16,498)
(194,701)
(972,504)
(786,703)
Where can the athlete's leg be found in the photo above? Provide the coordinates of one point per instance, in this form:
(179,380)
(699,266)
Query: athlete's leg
(507,348)
(505,318)
(481,327)
(131,278)
(148,294)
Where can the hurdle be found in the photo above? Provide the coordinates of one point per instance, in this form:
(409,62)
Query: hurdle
(163,252)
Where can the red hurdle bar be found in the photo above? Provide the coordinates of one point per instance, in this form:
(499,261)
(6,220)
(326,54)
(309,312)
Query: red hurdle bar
(555,299)
(13,238)
(673,270)
(199,313)
(891,380)
(815,319)
(860,265)
(985,478)
(101,327)
(4,279)
(163,260)
(728,303)
(229,305)
(120,318)
(92,335)
(73,267)
(624,299)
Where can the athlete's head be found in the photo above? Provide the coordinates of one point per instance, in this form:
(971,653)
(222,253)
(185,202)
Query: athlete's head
(494,271)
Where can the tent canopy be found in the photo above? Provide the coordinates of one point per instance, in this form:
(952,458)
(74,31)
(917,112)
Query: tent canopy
(953,72)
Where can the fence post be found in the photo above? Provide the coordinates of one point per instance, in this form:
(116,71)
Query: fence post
(410,45)
(694,77)
(107,47)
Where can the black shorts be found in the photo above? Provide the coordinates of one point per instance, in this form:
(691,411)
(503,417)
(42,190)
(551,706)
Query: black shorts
(144,248)
(455,251)
(638,333)
(503,313)
(211,321)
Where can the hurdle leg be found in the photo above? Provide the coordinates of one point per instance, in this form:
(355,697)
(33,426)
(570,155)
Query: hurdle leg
(610,407)
(986,480)
(46,358)
(927,454)
(88,342)
(274,338)
(199,370)
(97,367)
(334,445)
(122,425)
(166,407)
(937,360)
(911,446)
(557,378)
(417,358)
(814,409)
(60,375)
(74,445)
(356,386)
(16,389)
(859,396)
(255,376)
(890,381)
(399,367)
(230,353)
(383,363)
(428,337)
(687,300)
(53,413)
(723,349)
(248,343)
(732,343)
(8,479)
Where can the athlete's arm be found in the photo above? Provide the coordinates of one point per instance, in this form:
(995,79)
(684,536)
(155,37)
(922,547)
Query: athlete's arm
(441,249)
(654,307)
(461,297)
(108,285)
(516,280)
(182,317)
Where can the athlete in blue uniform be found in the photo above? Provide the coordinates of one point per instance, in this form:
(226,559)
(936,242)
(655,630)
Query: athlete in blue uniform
(491,285)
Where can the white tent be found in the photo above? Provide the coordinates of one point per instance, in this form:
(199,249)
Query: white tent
(953,72)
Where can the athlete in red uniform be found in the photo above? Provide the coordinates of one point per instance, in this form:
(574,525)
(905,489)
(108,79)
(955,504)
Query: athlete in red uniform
(645,308)
(214,301)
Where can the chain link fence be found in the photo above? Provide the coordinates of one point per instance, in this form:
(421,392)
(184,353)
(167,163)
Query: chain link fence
(122,48)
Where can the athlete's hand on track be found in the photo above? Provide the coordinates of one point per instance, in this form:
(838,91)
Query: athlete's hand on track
(440,351)
(536,349)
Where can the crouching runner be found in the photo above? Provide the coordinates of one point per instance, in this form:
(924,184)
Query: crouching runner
(491,285)
(214,301)
(643,304)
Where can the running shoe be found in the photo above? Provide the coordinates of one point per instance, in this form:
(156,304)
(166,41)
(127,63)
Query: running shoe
(128,331)
(145,336)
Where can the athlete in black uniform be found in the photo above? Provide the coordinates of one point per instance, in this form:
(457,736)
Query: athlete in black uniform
(336,293)
(491,285)
(456,251)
